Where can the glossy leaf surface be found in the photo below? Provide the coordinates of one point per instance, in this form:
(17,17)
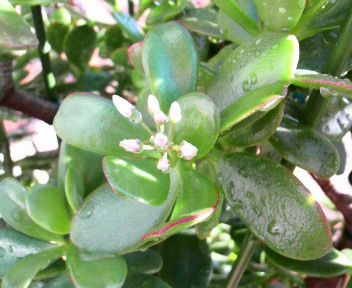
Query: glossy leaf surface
(14,30)
(137,179)
(108,272)
(15,245)
(170,62)
(147,262)
(328,85)
(129,25)
(166,11)
(280,14)
(87,163)
(306,148)
(91,122)
(241,135)
(61,281)
(47,207)
(196,201)
(56,33)
(199,124)
(332,264)
(107,224)
(74,188)
(253,65)
(13,210)
(23,272)
(144,281)
(274,205)
(261,99)
(79,45)
(186,250)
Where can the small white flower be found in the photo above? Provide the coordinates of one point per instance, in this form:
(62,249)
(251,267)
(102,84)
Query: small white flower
(123,106)
(160,140)
(163,164)
(131,145)
(153,104)
(187,150)
(175,112)
(160,117)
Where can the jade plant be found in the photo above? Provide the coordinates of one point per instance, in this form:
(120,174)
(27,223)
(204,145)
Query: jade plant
(176,159)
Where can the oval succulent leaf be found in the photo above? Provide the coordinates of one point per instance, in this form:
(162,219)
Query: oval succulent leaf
(170,62)
(137,179)
(261,99)
(61,281)
(134,54)
(56,33)
(92,123)
(306,148)
(328,85)
(15,245)
(108,225)
(13,210)
(253,65)
(332,264)
(14,30)
(74,188)
(275,206)
(23,272)
(196,201)
(47,207)
(129,26)
(146,262)
(141,280)
(108,272)
(280,14)
(199,124)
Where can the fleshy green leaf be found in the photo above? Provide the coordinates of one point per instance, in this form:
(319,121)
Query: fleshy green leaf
(144,281)
(93,123)
(147,262)
(23,272)
(129,25)
(56,33)
(79,45)
(137,179)
(186,250)
(247,134)
(216,61)
(87,163)
(166,11)
(56,268)
(134,54)
(62,281)
(196,201)
(14,30)
(306,148)
(13,210)
(253,65)
(275,206)
(74,187)
(328,85)
(47,207)
(15,245)
(202,21)
(108,225)
(280,14)
(199,124)
(170,62)
(108,272)
(261,99)
(332,264)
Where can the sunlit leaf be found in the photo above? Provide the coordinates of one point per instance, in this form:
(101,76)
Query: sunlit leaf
(129,25)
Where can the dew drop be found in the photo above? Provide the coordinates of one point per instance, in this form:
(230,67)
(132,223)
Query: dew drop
(290,18)
(254,78)
(258,41)
(246,86)
(87,211)
(2,252)
(274,228)
(282,10)
(11,249)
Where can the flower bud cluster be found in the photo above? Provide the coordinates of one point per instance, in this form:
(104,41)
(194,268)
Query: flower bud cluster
(158,141)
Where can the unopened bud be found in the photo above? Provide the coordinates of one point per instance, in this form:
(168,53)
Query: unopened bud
(160,117)
(160,140)
(123,106)
(153,104)
(175,112)
(131,145)
(187,151)
(163,164)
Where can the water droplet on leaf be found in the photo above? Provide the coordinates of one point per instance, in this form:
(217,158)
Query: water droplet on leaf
(246,86)
(274,228)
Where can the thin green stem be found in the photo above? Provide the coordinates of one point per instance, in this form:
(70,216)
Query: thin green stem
(317,105)
(44,50)
(146,128)
(247,249)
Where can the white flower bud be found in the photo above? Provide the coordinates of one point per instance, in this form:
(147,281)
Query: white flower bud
(175,112)
(123,106)
(163,164)
(153,104)
(160,117)
(131,145)
(160,140)
(187,150)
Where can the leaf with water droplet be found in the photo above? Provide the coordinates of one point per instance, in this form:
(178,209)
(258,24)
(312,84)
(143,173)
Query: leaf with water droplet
(262,60)
(13,210)
(332,264)
(291,231)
